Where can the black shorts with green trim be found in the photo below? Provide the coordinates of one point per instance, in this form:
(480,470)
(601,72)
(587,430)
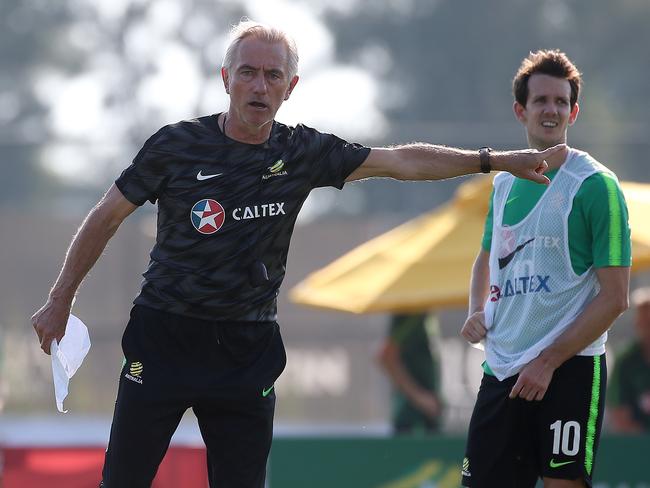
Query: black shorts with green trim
(223,371)
(512,443)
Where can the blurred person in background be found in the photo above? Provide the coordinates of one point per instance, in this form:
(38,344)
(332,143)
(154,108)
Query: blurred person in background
(4,387)
(550,279)
(413,368)
(629,390)
(203,331)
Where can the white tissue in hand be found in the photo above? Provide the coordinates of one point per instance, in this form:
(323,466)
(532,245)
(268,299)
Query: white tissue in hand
(68,356)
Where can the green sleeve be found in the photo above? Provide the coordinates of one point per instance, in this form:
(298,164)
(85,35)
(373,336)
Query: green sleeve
(487,230)
(606,217)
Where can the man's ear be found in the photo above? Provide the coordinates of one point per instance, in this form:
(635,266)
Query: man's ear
(292,85)
(574,113)
(224,77)
(520,112)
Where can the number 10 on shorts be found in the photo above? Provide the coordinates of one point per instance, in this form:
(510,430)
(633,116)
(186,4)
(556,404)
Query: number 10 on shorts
(567,437)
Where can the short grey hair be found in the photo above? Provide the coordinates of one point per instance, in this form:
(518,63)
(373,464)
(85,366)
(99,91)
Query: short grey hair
(248,28)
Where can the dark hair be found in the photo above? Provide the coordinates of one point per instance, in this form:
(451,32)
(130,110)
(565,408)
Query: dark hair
(547,62)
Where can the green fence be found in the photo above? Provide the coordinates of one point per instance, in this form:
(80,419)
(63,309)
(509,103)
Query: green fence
(622,462)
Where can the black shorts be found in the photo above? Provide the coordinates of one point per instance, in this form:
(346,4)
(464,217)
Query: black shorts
(511,443)
(224,371)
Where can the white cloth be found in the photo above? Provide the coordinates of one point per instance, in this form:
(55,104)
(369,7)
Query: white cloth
(68,356)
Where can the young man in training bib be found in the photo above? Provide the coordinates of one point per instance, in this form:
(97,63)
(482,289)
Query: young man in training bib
(551,277)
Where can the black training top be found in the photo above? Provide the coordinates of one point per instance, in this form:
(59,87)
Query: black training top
(223,206)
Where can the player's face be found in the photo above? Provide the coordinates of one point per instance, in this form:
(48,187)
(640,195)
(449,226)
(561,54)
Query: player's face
(258,82)
(548,113)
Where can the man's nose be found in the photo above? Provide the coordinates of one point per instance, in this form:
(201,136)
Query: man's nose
(260,84)
(551,108)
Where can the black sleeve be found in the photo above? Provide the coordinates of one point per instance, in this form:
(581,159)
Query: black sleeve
(145,178)
(333,159)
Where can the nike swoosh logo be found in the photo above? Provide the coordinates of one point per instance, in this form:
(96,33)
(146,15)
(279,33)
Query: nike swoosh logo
(202,177)
(504,261)
(266,391)
(553,464)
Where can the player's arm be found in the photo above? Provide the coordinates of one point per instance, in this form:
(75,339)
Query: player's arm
(86,247)
(388,358)
(473,329)
(420,161)
(595,319)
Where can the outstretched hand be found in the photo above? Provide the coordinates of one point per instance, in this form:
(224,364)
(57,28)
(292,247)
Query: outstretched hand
(529,164)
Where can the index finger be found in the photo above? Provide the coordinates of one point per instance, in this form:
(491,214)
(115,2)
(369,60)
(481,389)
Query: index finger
(516,389)
(553,150)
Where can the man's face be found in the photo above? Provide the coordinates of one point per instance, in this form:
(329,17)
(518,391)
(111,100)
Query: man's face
(257,82)
(547,113)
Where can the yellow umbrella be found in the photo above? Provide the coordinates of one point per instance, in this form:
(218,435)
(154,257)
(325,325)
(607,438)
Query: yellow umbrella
(637,196)
(426,262)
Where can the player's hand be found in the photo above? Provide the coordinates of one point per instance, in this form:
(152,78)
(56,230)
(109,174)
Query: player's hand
(50,321)
(427,403)
(528,163)
(533,380)
(474,329)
